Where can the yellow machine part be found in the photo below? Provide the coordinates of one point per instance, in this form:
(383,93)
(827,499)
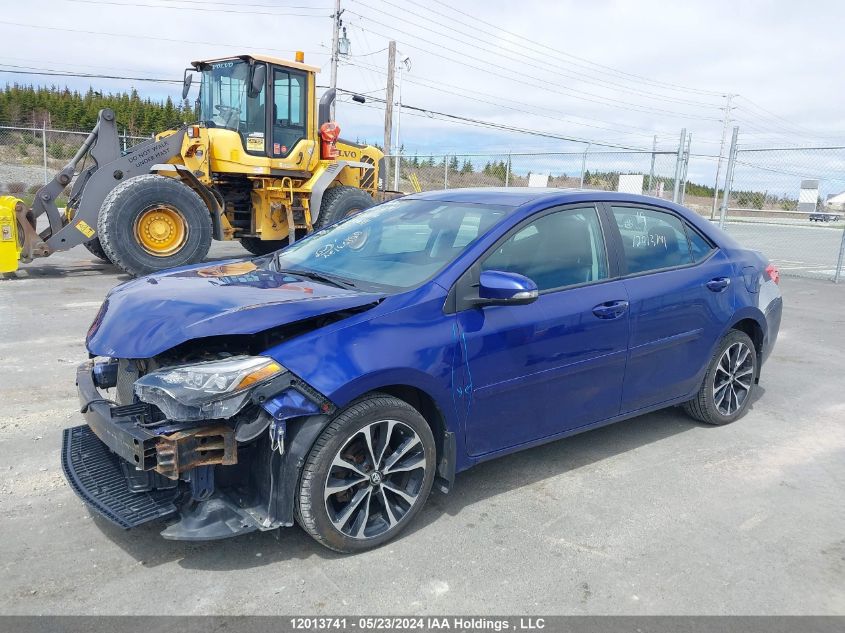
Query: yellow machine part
(10,245)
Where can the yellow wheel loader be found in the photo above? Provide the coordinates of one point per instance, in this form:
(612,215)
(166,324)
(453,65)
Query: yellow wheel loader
(263,165)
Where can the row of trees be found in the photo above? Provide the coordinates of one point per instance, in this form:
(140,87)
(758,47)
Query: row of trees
(62,108)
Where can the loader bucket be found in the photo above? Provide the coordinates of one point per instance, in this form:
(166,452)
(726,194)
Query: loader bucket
(10,244)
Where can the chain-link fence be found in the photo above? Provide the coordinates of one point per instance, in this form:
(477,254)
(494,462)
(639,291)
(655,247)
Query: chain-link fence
(650,172)
(790,204)
(762,209)
(787,202)
(31,156)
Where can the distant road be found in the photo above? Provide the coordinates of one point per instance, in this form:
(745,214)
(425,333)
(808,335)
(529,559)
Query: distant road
(796,249)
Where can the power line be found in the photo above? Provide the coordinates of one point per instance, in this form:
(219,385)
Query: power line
(476,20)
(502,126)
(246,4)
(135,36)
(541,83)
(525,59)
(85,75)
(520,107)
(776,116)
(205,10)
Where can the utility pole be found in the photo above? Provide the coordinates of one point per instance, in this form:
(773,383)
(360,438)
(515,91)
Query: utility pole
(725,123)
(388,101)
(406,63)
(335,54)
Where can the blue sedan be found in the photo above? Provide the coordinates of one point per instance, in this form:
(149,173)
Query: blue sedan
(334,382)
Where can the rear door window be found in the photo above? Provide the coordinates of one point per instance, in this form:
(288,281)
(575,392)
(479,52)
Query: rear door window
(652,239)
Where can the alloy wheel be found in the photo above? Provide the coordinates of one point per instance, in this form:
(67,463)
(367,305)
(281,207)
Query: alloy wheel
(375,479)
(733,379)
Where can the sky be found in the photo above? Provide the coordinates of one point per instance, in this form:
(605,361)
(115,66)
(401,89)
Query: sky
(606,72)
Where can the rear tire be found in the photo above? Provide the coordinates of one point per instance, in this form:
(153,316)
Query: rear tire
(96,249)
(340,202)
(378,490)
(258,246)
(133,200)
(729,383)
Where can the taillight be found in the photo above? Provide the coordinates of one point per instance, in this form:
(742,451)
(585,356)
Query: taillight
(773,273)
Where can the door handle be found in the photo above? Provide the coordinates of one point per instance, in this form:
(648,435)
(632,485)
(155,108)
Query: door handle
(611,309)
(718,284)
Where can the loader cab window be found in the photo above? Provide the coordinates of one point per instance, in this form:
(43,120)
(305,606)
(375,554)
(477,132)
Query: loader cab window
(289,111)
(225,103)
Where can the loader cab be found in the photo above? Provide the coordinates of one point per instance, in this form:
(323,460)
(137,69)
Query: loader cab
(268,102)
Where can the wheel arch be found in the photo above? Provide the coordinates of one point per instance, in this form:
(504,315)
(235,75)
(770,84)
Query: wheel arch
(753,323)
(444,439)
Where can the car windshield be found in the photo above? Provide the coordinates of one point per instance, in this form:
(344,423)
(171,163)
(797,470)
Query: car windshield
(395,245)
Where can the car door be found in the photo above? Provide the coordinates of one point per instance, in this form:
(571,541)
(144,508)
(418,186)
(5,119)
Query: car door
(680,297)
(532,371)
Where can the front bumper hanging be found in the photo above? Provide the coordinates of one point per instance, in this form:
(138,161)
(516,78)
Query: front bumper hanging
(96,475)
(131,468)
(127,473)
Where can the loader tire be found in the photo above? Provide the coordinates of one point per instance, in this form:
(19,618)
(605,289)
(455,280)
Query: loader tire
(257,246)
(96,249)
(150,222)
(340,202)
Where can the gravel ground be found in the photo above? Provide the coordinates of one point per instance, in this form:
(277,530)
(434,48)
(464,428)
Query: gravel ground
(656,515)
(28,174)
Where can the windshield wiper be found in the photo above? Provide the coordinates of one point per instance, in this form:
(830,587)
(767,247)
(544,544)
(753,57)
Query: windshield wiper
(340,282)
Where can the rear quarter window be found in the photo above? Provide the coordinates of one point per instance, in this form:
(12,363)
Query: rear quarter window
(700,247)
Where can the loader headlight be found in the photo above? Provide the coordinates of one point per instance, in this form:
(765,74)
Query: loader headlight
(210,390)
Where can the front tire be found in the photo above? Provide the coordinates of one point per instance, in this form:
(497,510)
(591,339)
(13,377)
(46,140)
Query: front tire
(341,202)
(729,382)
(367,476)
(150,222)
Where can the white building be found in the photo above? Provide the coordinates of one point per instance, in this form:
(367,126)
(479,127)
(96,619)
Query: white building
(836,202)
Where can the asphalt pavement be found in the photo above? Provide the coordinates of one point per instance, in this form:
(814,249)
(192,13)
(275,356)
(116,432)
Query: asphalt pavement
(656,515)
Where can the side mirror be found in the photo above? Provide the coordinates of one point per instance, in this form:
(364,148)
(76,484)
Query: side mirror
(256,84)
(496,287)
(186,83)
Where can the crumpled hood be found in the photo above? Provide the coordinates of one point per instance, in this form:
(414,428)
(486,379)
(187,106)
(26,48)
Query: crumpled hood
(147,316)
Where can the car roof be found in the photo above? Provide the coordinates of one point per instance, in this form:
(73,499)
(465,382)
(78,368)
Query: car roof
(519,196)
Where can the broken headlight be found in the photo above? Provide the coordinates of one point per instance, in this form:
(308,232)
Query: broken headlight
(210,390)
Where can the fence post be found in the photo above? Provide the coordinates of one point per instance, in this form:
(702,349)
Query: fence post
(584,164)
(678,163)
(729,176)
(651,171)
(445,171)
(838,272)
(124,140)
(686,168)
(508,171)
(44,148)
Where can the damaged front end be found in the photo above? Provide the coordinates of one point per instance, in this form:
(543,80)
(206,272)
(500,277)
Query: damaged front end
(216,444)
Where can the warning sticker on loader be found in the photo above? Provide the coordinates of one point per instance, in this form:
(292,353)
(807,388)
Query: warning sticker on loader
(83,228)
(255,144)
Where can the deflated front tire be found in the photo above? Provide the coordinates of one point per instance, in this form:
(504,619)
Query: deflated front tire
(367,476)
